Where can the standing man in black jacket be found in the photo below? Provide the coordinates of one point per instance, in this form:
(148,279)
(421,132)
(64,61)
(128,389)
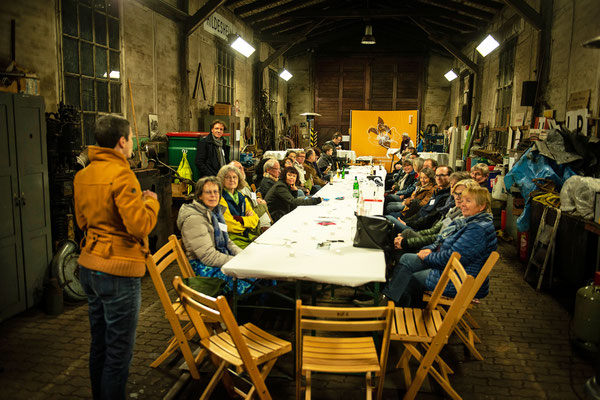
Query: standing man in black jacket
(212,151)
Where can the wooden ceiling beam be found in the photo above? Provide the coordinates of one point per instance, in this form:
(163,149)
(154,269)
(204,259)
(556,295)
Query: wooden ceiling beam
(280,11)
(527,13)
(496,5)
(286,26)
(202,15)
(460,7)
(359,13)
(445,43)
(255,5)
(281,51)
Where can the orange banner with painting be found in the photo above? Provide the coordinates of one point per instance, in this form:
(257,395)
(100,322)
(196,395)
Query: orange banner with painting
(372,133)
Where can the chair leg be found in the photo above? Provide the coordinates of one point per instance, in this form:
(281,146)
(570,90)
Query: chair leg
(369,386)
(213,381)
(264,373)
(444,383)
(307,390)
(469,318)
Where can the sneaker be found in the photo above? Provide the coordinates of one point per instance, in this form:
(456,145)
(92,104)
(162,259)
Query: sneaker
(381,301)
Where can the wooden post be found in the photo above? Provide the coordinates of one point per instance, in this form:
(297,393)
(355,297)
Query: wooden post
(137,138)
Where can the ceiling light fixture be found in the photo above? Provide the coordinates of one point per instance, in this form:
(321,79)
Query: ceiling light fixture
(368,38)
(487,46)
(240,45)
(450,75)
(285,75)
(592,43)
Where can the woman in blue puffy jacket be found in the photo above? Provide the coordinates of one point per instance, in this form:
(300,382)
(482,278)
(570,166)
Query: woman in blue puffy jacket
(473,236)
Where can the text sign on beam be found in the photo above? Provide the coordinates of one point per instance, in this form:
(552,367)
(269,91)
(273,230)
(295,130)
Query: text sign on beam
(218,26)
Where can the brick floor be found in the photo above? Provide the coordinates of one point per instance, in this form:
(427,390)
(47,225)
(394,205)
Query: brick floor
(525,345)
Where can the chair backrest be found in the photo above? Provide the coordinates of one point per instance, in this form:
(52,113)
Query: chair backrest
(201,307)
(158,262)
(253,187)
(454,271)
(345,319)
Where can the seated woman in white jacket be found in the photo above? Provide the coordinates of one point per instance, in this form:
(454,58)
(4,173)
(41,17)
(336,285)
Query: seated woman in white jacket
(204,233)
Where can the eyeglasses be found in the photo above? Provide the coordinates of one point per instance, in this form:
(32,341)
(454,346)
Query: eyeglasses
(457,194)
(440,175)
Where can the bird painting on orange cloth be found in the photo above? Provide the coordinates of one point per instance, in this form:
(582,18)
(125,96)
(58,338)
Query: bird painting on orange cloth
(383,135)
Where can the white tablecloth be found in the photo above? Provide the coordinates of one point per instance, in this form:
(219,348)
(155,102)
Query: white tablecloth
(290,248)
(441,158)
(280,155)
(277,154)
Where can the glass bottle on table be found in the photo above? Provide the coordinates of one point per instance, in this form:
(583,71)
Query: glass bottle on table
(355,188)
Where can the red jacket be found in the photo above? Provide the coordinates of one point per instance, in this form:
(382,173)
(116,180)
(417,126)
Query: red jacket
(109,206)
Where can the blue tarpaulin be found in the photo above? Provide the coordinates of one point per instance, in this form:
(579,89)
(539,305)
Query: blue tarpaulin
(533,165)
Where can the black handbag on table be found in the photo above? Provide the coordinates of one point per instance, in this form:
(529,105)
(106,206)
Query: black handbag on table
(374,232)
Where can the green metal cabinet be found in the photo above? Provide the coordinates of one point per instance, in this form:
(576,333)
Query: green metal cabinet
(25,233)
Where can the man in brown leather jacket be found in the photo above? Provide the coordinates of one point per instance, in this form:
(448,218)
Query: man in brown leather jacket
(116,216)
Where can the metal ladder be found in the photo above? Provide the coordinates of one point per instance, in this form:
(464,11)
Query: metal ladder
(544,240)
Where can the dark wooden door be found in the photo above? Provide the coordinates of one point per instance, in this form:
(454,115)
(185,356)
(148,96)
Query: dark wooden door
(12,279)
(363,83)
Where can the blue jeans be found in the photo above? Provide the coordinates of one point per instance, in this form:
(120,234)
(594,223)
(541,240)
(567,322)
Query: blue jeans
(398,226)
(407,281)
(394,207)
(114,307)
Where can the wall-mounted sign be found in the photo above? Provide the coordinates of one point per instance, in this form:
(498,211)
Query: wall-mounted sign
(218,26)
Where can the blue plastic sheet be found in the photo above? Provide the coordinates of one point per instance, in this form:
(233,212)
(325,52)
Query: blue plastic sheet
(530,166)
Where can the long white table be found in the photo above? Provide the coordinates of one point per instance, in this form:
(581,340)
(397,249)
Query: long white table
(315,243)
(349,155)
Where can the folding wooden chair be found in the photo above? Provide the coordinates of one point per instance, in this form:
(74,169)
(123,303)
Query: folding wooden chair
(347,355)
(244,347)
(172,254)
(424,332)
(467,323)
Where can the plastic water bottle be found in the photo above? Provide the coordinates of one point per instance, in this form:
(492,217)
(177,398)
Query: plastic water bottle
(355,188)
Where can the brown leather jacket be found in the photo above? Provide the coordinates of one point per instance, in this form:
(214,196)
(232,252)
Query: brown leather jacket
(110,208)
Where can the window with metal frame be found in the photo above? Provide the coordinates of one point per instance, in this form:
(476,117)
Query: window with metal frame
(506,72)
(225,75)
(91,55)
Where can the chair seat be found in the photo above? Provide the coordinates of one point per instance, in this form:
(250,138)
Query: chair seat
(342,355)
(415,324)
(262,345)
(447,301)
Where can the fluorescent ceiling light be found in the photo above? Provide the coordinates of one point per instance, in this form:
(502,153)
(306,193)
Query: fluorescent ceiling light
(487,46)
(285,75)
(242,46)
(451,75)
(368,38)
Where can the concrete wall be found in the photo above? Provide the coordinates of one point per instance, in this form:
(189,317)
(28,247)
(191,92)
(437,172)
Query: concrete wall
(153,47)
(436,96)
(36,43)
(571,67)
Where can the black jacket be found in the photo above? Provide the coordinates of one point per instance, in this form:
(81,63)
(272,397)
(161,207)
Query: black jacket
(207,158)
(265,185)
(281,200)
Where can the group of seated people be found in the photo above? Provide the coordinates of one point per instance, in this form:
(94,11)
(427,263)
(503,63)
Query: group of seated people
(225,216)
(435,212)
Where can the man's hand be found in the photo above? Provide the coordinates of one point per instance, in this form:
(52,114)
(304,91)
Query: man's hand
(402,222)
(260,201)
(398,242)
(424,253)
(149,193)
(327,169)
